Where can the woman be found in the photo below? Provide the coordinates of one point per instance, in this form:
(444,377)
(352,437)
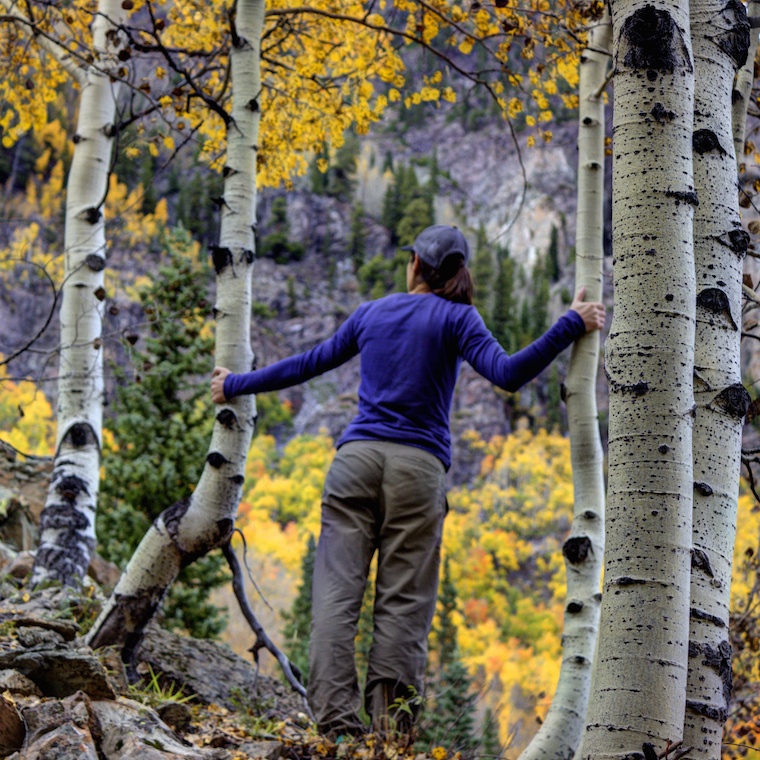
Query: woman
(385,490)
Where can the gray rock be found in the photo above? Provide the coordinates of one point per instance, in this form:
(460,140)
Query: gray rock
(61,672)
(211,671)
(66,742)
(16,683)
(131,731)
(11,727)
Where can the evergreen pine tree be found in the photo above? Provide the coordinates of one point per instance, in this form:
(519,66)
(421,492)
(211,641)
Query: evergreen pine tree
(298,620)
(483,277)
(540,301)
(357,242)
(418,214)
(504,323)
(554,417)
(451,720)
(277,243)
(162,418)
(392,207)
(490,744)
(552,256)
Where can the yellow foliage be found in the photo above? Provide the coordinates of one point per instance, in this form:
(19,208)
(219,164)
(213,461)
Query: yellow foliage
(26,417)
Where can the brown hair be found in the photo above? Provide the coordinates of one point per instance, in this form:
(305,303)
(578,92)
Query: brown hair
(452,281)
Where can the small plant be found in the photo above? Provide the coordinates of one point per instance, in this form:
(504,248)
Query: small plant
(255,715)
(153,692)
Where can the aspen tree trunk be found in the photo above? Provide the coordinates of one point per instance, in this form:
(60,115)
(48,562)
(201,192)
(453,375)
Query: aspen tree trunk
(560,733)
(742,91)
(638,693)
(67,523)
(720,39)
(192,527)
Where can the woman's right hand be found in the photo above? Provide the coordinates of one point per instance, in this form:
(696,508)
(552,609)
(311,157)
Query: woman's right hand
(217,384)
(592,312)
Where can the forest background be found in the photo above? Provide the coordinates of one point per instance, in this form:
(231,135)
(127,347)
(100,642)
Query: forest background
(326,243)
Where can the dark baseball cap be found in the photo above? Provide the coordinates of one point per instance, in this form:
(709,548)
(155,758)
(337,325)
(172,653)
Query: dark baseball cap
(435,243)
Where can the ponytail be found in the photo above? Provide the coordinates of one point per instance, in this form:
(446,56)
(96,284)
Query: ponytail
(452,281)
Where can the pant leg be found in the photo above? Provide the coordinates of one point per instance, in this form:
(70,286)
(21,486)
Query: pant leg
(347,542)
(413,509)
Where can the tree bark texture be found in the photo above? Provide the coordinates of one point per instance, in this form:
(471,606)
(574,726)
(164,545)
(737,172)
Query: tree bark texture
(720,39)
(742,92)
(637,701)
(560,733)
(204,521)
(67,524)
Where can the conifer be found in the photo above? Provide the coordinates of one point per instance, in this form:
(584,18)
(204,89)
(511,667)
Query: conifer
(298,620)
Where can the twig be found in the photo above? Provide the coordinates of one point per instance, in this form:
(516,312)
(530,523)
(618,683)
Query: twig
(292,673)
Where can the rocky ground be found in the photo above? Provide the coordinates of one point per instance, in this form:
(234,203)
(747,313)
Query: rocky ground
(60,700)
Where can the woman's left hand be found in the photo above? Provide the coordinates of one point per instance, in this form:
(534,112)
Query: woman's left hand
(591,312)
(217,384)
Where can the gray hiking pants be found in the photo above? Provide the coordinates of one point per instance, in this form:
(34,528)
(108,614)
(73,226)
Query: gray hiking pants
(391,498)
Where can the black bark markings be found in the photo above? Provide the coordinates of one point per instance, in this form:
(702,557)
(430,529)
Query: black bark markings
(708,711)
(216,460)
(626,580)
(227,419)
(705,140)
(221,257)
(95,262)
(661,114)
(638,389)
(91,215)
(576,549)
(79,435)
(172,517)
(708,617)
(650,753)
(700,561)
(704,489)
(733,401)
(651,40)
(574,607)
(67,562)
(685,196)
(736,240)
(718,660)
(716,302)
(734,42)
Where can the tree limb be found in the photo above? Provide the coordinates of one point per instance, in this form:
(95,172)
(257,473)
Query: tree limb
(292,674)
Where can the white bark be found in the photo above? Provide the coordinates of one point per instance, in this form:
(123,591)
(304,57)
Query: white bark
(205,520)
(637,702)
(720,37)
(560,733)
(743,86)
(68,521)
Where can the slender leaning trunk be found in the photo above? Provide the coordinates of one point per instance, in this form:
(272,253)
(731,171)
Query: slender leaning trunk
(638,693)
(67,524)
(204,521)
(560,733)
(743,86)
(720,39)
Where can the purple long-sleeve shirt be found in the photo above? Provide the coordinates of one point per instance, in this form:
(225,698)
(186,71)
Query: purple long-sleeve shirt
(411,347)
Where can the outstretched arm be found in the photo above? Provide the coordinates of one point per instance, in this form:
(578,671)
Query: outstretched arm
(291,371)
(489,359)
